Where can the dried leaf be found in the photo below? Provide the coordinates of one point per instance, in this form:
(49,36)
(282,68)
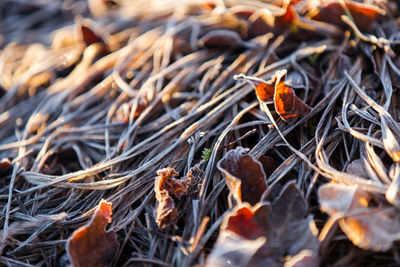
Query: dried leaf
(287,104)
(87,35)
(366,226)
(364,15)
(165,181)
(5,165)
(265,91)
(244,176)
(264,21)
(272,233)
(90,245)
(165,186)
(240,238)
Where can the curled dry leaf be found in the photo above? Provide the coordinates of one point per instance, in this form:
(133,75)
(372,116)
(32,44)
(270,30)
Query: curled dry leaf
(165,186)
(244,176)
(364,15)
(287,104)
(90,245)
(368,227)
(267,234)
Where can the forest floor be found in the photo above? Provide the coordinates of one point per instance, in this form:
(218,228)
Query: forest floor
(209,133)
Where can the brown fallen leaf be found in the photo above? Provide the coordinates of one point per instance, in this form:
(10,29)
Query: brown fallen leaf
(5,165)
(176,187)
(86,34)
(268,234)
(287,104)
(367,226)
(364,15)
(264,21)
(90,245)
(244,176)
(165,186)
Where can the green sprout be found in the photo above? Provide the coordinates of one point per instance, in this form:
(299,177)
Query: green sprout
(313,58)
(206,154)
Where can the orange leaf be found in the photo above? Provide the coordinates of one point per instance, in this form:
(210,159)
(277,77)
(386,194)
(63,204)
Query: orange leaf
(287,104)
(90,245)
(244,176)
(264,91)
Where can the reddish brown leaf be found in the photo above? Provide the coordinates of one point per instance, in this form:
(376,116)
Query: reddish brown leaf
(287,104)
(88,35)
(264,22)
(165,186)
(284,22)
(264,91)
(268,234)
(367,226)
(364,15)
(244,176)
(5,165)
(90,245)
(243,223)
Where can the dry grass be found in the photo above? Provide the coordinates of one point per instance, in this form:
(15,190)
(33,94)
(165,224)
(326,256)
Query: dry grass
(69,125)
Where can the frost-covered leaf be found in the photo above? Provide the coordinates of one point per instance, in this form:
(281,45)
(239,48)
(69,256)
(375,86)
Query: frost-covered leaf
(367,226)
(268,234)
(90,245)
(244,176)
(165,186)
